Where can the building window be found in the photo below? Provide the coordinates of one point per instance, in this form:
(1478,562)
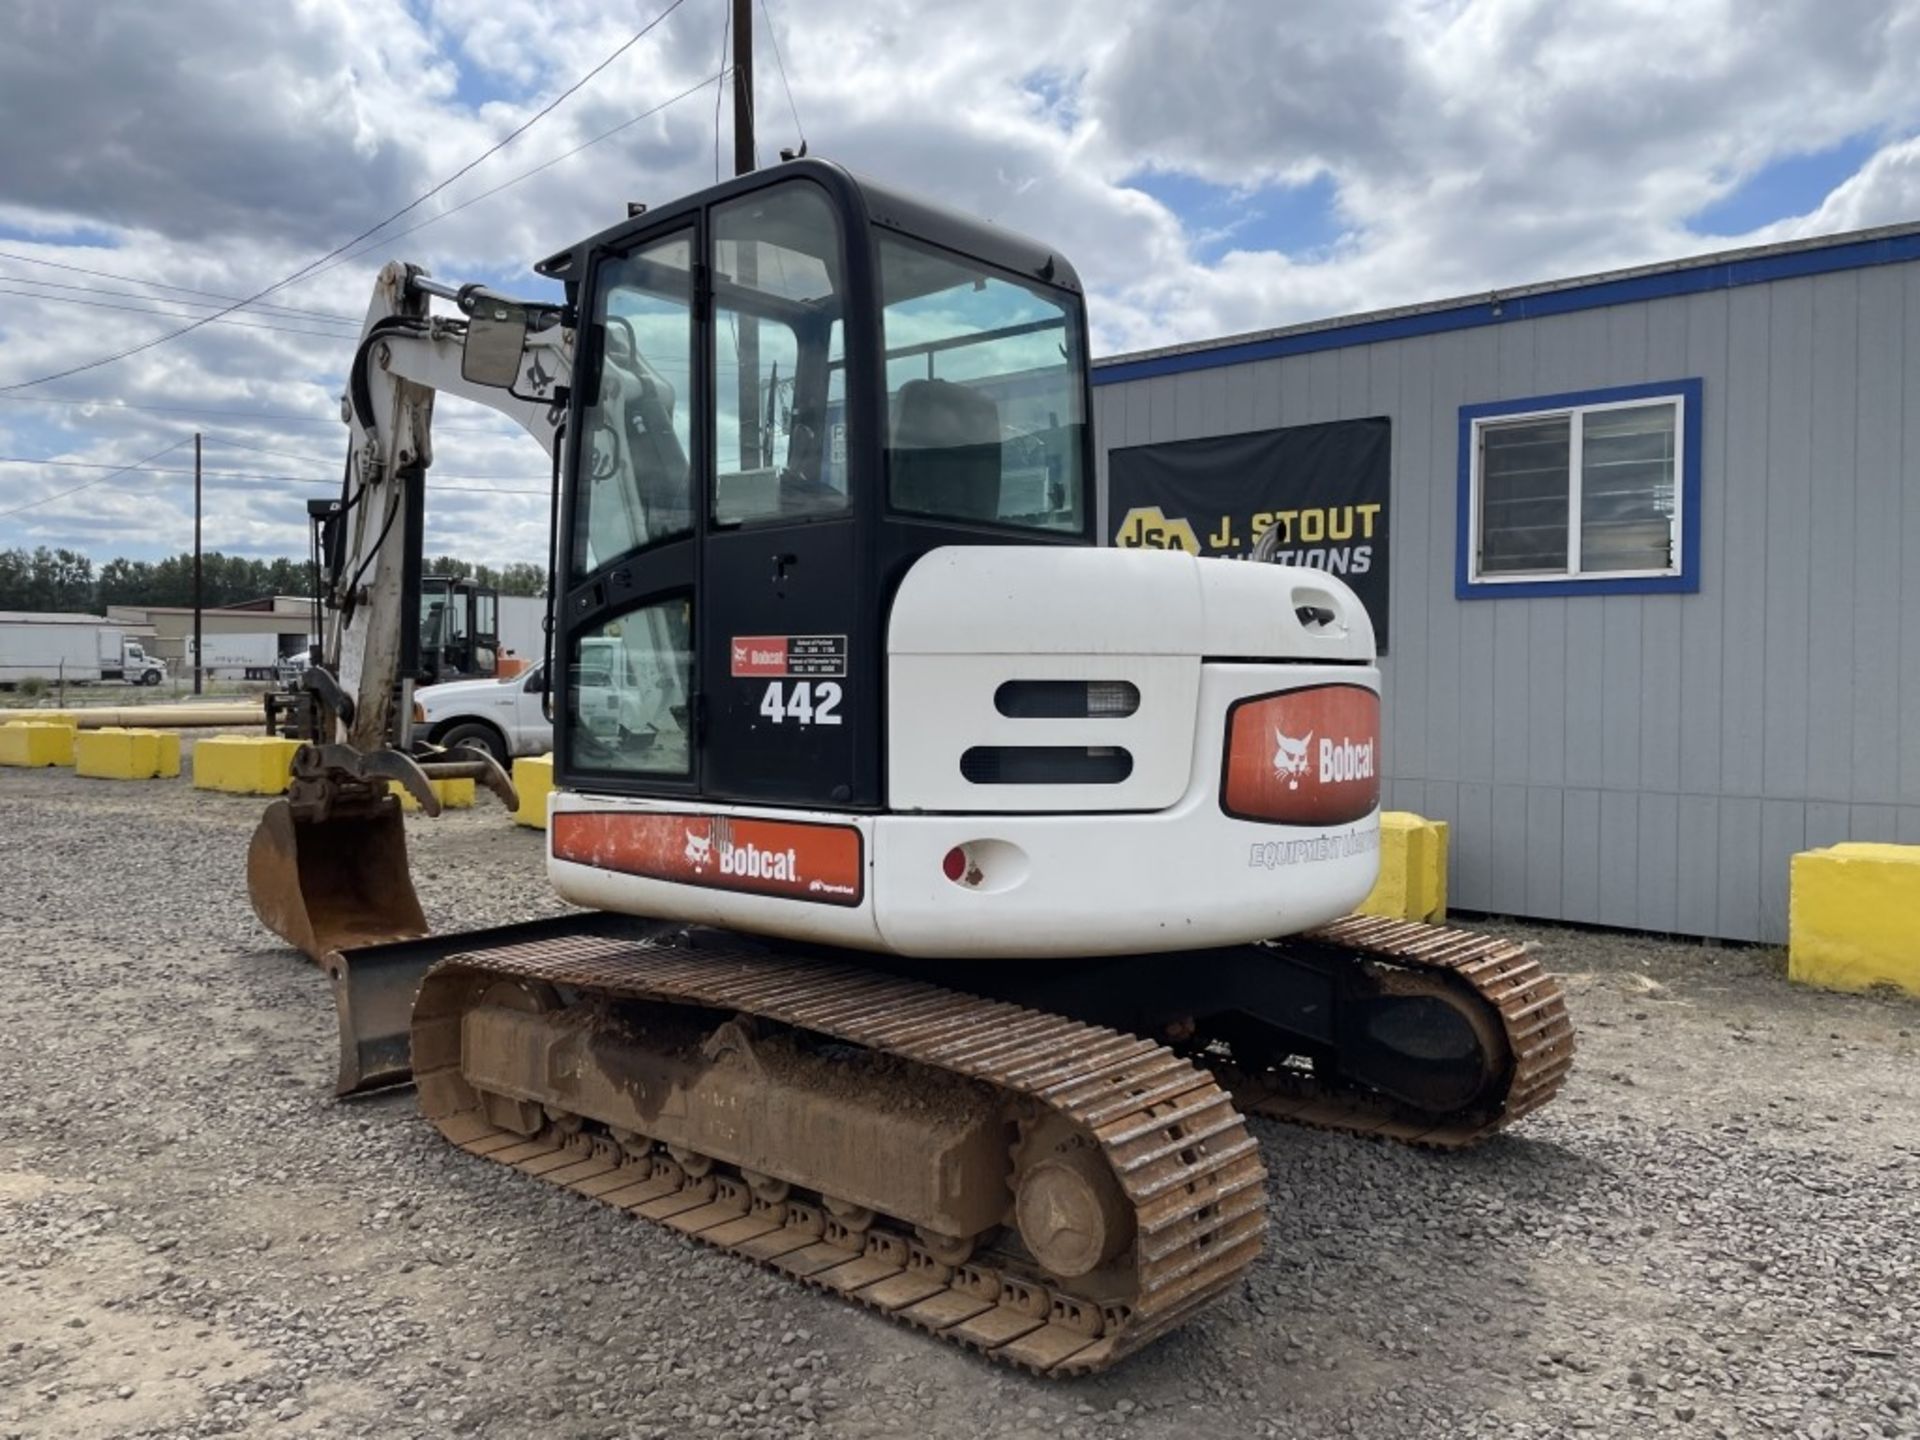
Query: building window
(1573,494)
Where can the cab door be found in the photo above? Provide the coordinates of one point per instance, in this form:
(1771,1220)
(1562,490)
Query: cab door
(630,550)
(790,635)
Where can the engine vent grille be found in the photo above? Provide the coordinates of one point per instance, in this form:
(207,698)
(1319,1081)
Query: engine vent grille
(1046,765)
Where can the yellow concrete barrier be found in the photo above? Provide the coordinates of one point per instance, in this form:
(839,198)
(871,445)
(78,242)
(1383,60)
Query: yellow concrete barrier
(243,764)
(533,778)
(112,754)
(1854,917)
(452,794)
(35,743)
(1413,869)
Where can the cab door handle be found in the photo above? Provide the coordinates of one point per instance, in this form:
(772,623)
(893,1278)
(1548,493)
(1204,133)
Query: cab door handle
(781,563)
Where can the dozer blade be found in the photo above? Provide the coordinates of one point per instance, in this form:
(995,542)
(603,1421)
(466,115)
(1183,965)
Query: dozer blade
(336,884)
(374,987)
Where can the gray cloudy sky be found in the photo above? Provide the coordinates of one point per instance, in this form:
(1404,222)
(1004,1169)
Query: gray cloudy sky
(1212,166)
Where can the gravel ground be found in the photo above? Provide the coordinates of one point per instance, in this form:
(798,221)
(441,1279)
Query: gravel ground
(1711,1233)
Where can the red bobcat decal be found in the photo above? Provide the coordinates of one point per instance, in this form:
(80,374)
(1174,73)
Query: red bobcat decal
(799,860)
(1308,757)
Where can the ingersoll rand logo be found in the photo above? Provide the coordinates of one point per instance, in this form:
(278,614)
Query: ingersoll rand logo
(1303,757)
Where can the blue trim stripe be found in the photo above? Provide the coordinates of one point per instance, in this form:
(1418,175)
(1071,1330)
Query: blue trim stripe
(1688,280)
(1687,582)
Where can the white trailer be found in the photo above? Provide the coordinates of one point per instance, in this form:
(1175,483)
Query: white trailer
(238,657)
(72,648)
(522,627)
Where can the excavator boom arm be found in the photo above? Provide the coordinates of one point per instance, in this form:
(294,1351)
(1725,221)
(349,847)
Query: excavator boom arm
(327,868)
(406,357)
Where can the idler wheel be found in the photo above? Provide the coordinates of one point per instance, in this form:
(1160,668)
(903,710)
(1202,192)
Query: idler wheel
(1072,1216)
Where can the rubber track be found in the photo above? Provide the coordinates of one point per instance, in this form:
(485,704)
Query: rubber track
(1528,1003)
(1179,1148)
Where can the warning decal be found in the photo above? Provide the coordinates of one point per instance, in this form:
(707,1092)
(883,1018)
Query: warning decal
(796,860)
(784,655)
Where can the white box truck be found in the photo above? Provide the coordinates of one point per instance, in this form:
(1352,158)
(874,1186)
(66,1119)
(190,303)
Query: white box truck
(73,648)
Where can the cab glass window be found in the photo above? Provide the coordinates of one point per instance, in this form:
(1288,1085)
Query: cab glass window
(984,391)
(628,683)
(778,360)
(634,488)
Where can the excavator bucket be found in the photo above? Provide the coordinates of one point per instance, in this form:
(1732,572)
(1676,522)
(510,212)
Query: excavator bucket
(334,884)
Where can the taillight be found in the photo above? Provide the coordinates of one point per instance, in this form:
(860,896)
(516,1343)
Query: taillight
(986,865)
(1067,699)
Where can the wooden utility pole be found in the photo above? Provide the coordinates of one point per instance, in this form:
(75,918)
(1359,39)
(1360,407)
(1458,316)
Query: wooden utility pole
(742,86)
(747,269)
(198,653)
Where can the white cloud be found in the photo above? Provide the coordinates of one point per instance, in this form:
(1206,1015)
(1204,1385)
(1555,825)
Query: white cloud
(1468,143)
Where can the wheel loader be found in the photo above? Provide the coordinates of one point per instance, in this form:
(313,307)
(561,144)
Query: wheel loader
(951,888)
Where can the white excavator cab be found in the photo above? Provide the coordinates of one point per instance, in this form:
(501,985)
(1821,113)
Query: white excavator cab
(829,492)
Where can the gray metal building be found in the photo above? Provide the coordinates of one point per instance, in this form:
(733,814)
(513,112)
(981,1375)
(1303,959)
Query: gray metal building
(1640,746)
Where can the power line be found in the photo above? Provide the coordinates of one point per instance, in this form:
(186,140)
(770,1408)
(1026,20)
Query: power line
(781,66)
(323,460)
(89,484)
(225,479)
(279,415)
(262,450)
(270,313)
(230,474)
(162,285)
(168,314)
(626,124)
(413,204)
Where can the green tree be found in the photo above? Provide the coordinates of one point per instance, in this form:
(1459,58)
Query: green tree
(15,566)
(522,577)
(45,579)
(58,580)
(123,582)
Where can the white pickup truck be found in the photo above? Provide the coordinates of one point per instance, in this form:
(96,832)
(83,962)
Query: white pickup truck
(620,698)
(503,716)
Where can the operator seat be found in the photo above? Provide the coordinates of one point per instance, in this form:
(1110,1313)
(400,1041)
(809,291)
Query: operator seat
(944,451)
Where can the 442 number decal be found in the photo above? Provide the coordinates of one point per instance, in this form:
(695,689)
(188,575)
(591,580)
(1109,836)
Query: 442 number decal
(804,702)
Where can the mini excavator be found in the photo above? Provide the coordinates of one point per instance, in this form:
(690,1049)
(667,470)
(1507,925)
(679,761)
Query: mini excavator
(951,887)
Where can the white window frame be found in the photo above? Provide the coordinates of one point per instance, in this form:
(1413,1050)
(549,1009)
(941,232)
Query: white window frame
(1575,460)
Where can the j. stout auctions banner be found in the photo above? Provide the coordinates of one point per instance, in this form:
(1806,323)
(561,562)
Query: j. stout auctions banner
(1324,486)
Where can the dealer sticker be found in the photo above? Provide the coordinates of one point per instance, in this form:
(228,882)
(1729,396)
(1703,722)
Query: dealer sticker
(780,656)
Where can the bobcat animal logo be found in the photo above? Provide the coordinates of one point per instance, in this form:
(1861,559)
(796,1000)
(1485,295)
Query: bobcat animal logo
(739,654)
(1290,757)
(699,851)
